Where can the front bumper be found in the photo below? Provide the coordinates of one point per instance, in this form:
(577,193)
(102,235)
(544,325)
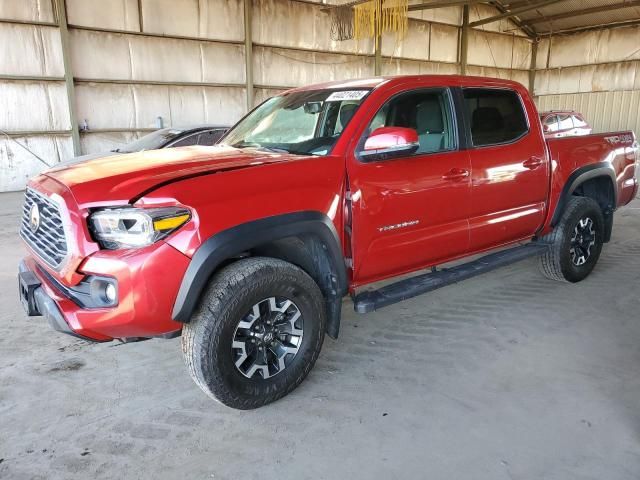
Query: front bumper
(147,282)
(37,303)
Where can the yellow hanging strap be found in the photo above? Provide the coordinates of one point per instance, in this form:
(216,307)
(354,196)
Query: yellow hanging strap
(382,16)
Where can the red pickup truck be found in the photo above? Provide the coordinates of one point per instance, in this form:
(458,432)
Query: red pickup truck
(247,249)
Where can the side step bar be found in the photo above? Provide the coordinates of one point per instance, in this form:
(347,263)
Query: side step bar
(369,301)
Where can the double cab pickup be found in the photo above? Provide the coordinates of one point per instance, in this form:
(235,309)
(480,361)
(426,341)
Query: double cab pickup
(246,249)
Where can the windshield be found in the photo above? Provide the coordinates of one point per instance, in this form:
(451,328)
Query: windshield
(306,123)
(151,141)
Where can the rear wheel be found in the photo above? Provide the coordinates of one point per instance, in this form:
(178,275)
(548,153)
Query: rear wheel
(575,243)
(256,334)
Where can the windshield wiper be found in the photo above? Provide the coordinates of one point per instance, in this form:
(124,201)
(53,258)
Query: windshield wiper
(244,144)
(275,149)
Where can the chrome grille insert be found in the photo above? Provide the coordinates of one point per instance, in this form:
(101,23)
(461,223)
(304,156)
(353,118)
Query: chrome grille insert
(48,239)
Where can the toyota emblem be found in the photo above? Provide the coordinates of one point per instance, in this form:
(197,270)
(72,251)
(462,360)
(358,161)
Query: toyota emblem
(34,218)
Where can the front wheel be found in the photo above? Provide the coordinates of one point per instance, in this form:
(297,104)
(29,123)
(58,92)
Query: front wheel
(575,242)
(256,334)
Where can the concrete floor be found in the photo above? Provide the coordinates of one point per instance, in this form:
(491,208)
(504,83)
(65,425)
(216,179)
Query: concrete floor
(506,376)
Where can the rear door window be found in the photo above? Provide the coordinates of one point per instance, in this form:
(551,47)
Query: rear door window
(496,116)
(565,121)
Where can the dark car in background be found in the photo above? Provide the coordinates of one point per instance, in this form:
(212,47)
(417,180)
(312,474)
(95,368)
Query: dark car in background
(564,123)
(165,138)
(176,137)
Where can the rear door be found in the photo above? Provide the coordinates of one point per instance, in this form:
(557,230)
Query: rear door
(410,212)
(509,167)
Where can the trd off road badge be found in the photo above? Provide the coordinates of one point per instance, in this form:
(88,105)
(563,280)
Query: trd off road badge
(410,223)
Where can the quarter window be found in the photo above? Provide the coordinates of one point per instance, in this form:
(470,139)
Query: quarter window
(497,116)
(551,122)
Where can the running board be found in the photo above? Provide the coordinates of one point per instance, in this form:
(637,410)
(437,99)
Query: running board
(369,301)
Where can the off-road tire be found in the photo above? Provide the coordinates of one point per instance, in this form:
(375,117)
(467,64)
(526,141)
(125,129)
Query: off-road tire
(556,263)
(207,339)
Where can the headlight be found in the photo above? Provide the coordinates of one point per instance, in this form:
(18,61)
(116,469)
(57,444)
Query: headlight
(135,227)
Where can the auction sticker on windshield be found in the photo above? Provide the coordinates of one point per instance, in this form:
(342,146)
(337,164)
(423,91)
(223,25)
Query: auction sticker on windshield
(347,95)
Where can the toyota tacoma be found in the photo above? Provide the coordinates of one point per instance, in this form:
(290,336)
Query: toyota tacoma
(246,249)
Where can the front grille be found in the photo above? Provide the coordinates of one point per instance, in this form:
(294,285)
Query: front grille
(48,240)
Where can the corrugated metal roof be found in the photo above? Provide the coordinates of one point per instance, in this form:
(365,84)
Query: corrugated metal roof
(574,14)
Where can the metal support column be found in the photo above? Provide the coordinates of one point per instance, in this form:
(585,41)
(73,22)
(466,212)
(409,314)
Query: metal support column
(464,40)
(61,16)
(377,69)
(248,52)
(532,69)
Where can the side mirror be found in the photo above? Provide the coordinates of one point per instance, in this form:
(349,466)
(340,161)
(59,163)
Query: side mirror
(389,142)
(545,128)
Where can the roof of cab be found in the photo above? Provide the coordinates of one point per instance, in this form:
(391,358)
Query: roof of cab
(375,82)
(551,112)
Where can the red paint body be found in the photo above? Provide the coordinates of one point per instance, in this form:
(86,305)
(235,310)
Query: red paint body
(449,205)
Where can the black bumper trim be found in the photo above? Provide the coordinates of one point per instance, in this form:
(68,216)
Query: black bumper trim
(85,294)
(48,309)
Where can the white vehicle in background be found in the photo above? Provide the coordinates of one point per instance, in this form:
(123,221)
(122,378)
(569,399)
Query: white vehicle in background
(564,123)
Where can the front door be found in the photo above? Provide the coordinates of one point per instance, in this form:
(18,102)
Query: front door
(411,212)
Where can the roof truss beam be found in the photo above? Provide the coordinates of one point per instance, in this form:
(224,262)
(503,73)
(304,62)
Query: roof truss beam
(514,12)
(436,4)
(625,23)
(530,32)
(584,11)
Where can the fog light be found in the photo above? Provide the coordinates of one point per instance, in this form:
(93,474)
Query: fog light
(110,293)
(104,292)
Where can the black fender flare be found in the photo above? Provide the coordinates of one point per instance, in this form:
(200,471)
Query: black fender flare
(578,177)
(236,240)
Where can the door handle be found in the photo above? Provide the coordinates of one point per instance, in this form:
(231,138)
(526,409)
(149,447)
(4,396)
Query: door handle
(456,174)
(532,163)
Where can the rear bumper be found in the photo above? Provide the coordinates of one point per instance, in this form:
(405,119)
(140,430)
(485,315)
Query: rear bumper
(147,284)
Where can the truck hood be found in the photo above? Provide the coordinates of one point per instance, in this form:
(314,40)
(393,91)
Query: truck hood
(121,178)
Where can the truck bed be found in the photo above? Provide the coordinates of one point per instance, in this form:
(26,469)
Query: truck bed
(617,149)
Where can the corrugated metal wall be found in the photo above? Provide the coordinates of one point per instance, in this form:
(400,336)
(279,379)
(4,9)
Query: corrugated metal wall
(596,73)
(133,61)
(605,111)
(32,95)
